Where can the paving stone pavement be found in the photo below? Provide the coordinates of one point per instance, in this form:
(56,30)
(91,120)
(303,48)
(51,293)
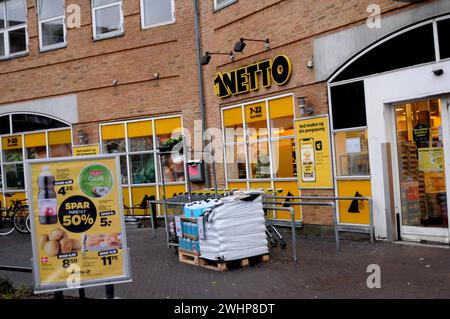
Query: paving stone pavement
(406,271)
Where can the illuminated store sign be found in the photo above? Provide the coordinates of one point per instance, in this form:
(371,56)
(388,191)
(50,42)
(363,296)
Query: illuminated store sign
(251,77)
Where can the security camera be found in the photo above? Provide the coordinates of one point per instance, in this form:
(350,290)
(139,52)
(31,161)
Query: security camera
(115,82)
(310,64)
(156,75)
(438,71)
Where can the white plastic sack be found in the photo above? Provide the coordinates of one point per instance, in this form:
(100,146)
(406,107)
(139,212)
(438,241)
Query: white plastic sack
(235,230)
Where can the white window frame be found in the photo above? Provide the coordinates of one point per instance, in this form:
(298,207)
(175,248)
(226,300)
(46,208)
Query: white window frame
(5,31)
(144,26)
(94,22)
(43,48)
(223,5)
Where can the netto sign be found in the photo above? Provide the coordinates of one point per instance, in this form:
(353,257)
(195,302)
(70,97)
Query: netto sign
(251,77)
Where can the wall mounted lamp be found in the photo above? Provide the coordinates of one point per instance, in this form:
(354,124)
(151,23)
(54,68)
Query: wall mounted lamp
(303,106)
(82,137)
(204,60)
(240,45)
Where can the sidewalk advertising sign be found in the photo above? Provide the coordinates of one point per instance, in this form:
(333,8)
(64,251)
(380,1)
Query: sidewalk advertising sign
(313,153)
(78,229)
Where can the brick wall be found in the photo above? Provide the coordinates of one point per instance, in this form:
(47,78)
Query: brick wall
(88,68)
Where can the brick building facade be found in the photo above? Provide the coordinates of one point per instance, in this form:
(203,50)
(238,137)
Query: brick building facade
(148,73)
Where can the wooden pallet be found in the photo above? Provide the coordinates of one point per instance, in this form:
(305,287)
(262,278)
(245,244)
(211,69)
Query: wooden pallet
(225,266)
(192,258)
(188,257)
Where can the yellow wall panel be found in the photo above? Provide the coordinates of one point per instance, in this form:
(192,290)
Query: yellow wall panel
(292,188)
(232,117)
(113,131)
(168,126)
(283,107)
(138,129)
(12,142)
(348,210)
(237,185)
(138,193)
(255,112)
(35,140)
(60,137)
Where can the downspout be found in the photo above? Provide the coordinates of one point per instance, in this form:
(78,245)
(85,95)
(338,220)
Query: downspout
(201,92)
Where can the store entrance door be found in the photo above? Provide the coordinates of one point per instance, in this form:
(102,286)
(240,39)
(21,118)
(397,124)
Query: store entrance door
(423,169)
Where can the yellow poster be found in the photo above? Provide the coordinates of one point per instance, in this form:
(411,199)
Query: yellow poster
(86,150)
(313,153)
(431,159)
(354,211)
(78,232)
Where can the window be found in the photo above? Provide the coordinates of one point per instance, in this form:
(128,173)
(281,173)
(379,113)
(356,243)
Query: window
(349,105)
(157,12)
(352,153)
(263,143)
(107,17)
(19,147)
(219,4)
(52,26)
(13,28)
(444,34)
(136,143)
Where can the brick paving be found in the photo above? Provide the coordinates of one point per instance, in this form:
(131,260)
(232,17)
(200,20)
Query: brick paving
(406,271)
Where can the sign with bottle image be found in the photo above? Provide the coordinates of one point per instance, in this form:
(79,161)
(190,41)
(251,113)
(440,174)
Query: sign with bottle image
(313,153)
(78,231)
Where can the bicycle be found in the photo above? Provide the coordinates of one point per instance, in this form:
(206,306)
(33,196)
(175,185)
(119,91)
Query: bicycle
(14,217)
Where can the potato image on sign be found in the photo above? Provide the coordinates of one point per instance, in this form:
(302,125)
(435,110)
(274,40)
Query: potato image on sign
(308,160)
(58,242)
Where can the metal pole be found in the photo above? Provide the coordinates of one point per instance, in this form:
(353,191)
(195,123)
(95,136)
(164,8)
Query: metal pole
(109,291)
(186,169)
(372,237)
(201,93)
(213,166)
(294,234)
(336,230)
(151,219)
(166,222)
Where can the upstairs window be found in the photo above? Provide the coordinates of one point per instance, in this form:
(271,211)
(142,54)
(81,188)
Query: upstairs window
(157,12)
(52,26)
(13,28)
(219,4)
(107,18)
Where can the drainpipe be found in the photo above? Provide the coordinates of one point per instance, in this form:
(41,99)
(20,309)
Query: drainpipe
(201,93)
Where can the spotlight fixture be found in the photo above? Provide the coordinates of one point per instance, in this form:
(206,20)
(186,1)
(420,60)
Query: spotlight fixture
(304,108)
(204,60)
(82,137)
(115,82)
(156,75)
(240,45)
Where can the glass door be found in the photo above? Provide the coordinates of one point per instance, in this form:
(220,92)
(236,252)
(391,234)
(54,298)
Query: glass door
(420,131)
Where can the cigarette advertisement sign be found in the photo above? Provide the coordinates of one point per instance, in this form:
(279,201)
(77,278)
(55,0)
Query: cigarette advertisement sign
(78,230)
(431,159)
(313,153)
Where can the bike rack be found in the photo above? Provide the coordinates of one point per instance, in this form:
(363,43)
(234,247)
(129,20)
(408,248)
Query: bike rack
(368,229)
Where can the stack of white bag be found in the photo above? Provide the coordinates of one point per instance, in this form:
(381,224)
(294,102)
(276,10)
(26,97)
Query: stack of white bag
(235,230)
